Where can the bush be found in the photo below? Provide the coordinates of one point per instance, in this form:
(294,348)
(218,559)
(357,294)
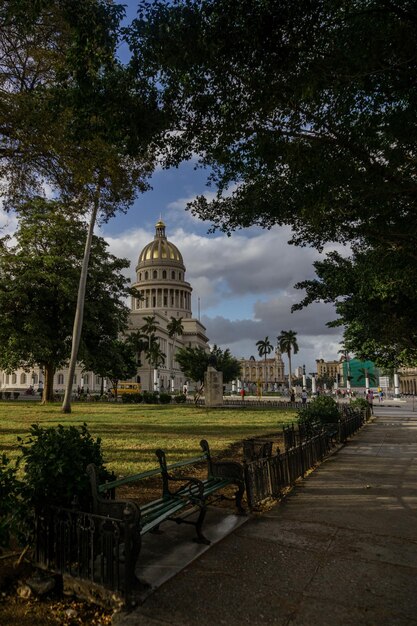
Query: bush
(7,395)
(13,512)
(1,395)
(180,399)
(55,461)
(359,403)
(151,397)
(165,398)
(16,394)
(323,409)
(131,398)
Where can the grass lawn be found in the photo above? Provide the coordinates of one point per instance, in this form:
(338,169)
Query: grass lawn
(130,434)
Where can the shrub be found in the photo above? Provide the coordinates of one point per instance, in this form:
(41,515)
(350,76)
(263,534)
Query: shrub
(13,512)
(131,398)
(151,397)
(16,394)
(359,403)
(1,395)
(55,461)
(7,395)
(180,399)
(165,398)
(323,409)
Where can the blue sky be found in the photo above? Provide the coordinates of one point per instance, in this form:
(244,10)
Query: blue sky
(245,282)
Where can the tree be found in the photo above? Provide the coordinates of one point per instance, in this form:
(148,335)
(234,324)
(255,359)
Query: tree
(307,118)
(39,277)
(366,376)
(175,329)
(74,117)
(194,362)
(287,342)
(309,108)
(375,299)
(114,359)
(265,347)
(149,329)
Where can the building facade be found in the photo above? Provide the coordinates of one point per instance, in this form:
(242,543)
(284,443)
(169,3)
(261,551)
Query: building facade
(266,373)
(164,294)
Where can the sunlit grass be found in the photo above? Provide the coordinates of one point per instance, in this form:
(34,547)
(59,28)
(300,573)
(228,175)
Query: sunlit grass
(130,434)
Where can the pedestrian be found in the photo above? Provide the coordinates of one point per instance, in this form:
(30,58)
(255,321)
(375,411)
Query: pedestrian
(304,396)
(370,399)
(242,394)
(292,396)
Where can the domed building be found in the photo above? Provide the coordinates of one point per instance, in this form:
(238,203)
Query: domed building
(164,295)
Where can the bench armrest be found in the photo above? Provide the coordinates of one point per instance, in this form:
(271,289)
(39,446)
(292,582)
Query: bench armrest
(119,509)
(188,483)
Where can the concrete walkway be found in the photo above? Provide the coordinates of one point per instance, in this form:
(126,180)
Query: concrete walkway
(340,550)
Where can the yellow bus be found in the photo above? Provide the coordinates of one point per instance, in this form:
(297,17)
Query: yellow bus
(126,387)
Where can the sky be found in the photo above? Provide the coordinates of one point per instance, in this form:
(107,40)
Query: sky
(243,285)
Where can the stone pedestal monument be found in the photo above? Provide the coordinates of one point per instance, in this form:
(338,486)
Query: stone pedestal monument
(213,387)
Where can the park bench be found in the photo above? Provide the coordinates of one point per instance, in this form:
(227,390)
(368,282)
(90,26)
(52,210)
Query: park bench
(180,495)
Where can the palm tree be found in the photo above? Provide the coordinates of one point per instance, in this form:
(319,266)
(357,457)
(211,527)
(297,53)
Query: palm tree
(265,347)
(287,342)
(366,376)
(175,329)
(154,354)
(149,329)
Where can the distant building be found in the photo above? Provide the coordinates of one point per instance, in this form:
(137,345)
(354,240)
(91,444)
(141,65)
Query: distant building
(408,380)
(268,373)
(330,369)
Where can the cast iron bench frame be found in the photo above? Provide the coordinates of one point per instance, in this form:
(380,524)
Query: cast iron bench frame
(191,493)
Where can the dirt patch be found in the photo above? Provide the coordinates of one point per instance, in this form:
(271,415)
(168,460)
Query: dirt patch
(52,609)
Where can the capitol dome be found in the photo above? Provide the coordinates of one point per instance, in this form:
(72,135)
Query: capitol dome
(160,278)
(160,249)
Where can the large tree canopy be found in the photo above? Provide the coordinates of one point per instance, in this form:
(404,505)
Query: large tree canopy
(305,111)
(308,107)
(194,362)
(38,289)
(375,297)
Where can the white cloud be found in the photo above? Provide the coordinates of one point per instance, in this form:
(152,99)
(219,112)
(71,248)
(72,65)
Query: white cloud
(246,284)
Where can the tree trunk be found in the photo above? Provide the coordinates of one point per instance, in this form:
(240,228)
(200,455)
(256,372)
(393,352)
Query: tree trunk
(289,372)
(79,313)
(48,384)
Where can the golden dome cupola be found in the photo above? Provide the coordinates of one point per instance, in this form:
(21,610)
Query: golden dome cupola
(160,250)
(160,278)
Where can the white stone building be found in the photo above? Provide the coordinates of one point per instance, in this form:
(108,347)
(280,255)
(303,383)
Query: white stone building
(160,279)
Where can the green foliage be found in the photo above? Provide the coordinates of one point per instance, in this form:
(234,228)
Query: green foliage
(194,363)
(375,298)
(165,398)
(13,513)
(131,398)
(36,323)
(180,398)
(323,409)
(359,403)
(150,397)
(55,461)
(332,153)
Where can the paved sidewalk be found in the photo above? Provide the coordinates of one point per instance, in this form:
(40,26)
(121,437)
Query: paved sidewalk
(340,550)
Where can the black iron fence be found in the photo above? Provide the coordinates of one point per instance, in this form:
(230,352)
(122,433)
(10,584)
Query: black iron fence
(267,474)
(87,547)
(99,551)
